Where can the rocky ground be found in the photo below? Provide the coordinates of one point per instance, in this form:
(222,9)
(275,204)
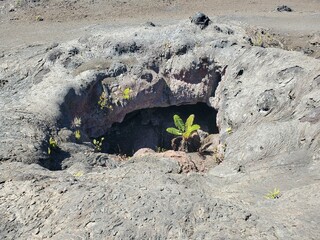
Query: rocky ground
(254,88)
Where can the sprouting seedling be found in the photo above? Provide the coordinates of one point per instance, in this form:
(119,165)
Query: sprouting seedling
(160,149)
(229,130)
(126,93)
(273,194)
(183,129)
(98,144)
(76,123)
(77,135)
(53,144)
(102,100)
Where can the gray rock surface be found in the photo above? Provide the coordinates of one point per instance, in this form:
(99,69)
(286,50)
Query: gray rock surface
(268,104)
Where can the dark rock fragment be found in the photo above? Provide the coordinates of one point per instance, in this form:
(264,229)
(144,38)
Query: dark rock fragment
(3,82)
(54,55)
(200,19)
(122,48)
(150,24)
(191,144)
(284,8)
(147,76)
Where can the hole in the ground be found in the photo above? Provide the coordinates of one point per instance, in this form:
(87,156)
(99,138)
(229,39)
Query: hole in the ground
(146,128)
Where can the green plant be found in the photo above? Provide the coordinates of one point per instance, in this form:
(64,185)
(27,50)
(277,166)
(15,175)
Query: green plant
(76,124)
(77,135)
(98,144)
(273,194)
(53,144)
(229,130)
(103,100)
(183,129)
(126,93)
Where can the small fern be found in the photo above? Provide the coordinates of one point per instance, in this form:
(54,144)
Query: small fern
(183,129)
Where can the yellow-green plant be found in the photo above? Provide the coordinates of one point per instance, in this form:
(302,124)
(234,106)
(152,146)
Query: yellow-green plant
(126,93)
(103,100)
(53,144)
(273,194)
(183,129)
(77,135)
(98,144)
(78,174)
(229,130)
(76,124)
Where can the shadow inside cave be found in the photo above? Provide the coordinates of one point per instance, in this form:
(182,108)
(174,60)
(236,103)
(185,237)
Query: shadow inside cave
(146,128)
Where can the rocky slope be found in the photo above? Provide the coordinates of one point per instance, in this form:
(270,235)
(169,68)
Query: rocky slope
(268,110)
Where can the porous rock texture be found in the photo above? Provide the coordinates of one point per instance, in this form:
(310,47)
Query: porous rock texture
(270,98)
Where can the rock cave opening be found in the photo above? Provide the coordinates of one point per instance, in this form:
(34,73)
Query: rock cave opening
(146,128)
